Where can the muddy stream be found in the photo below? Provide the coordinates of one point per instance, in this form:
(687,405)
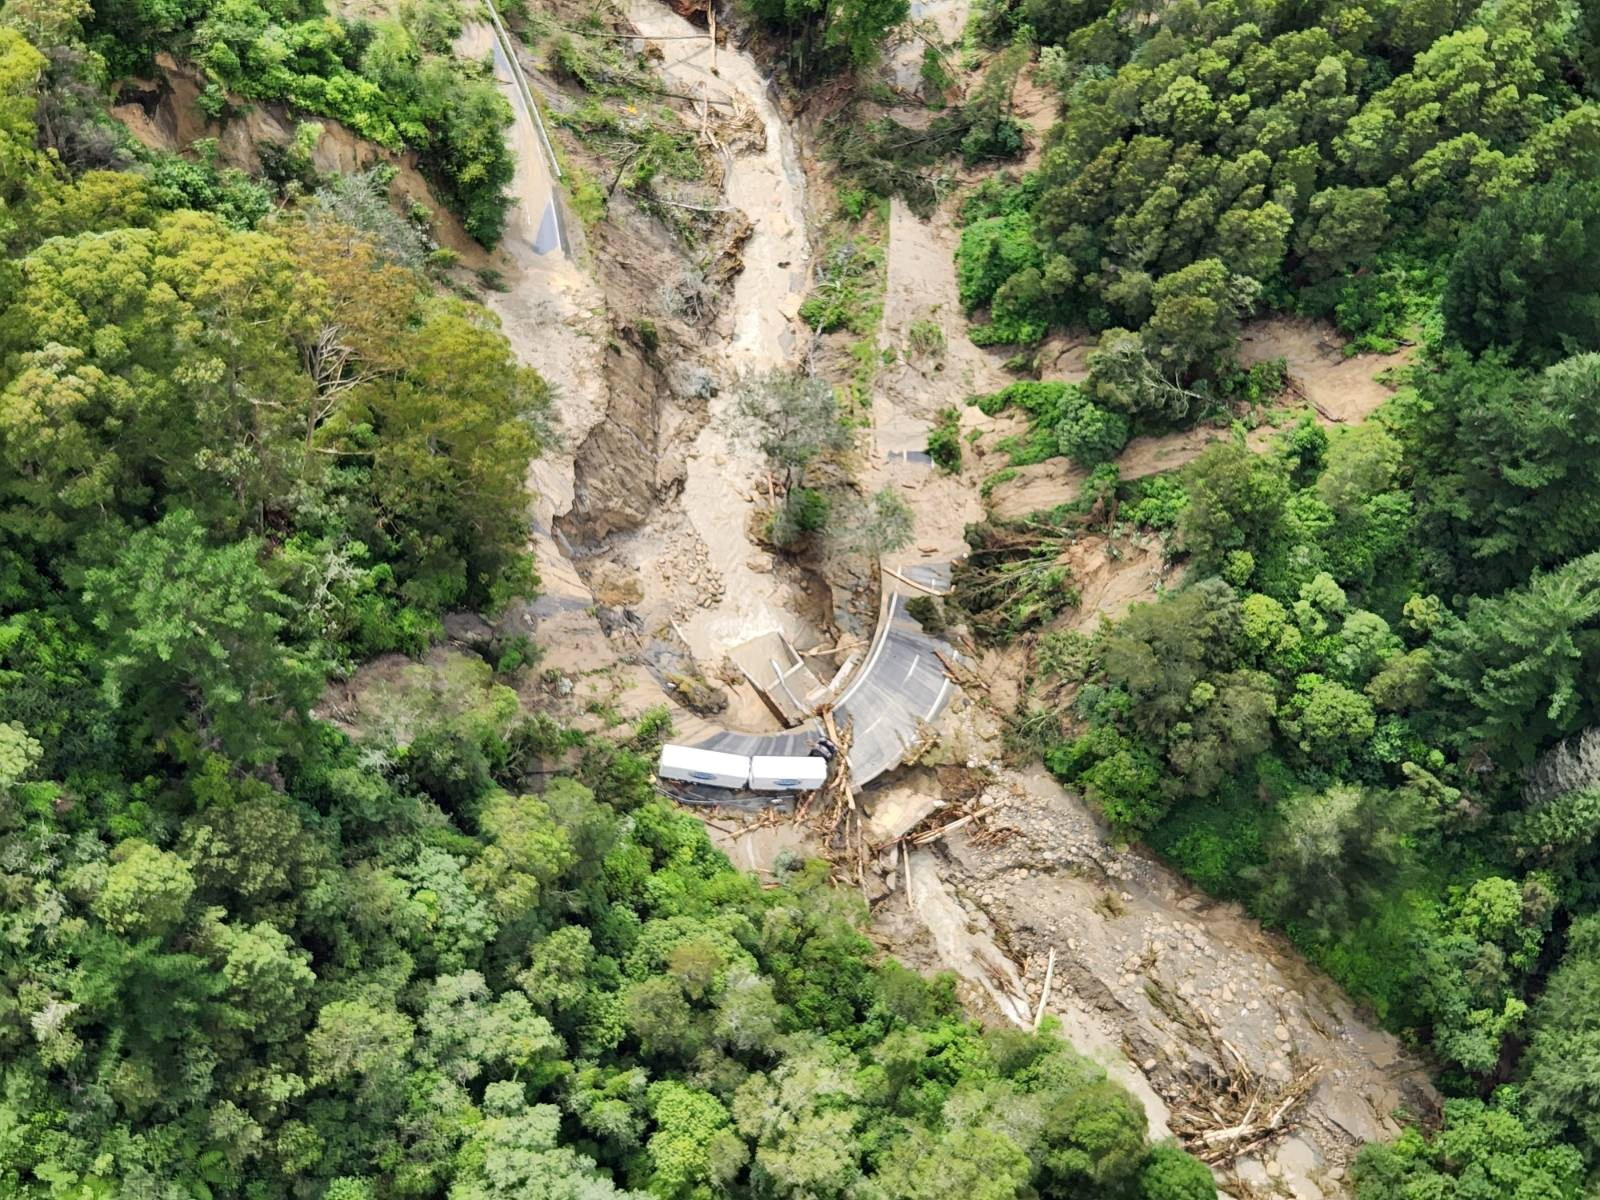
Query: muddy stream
(769,187)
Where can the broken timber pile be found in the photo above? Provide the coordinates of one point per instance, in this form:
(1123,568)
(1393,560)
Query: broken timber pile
(840,822)
(1217,1126)
(1229,1109)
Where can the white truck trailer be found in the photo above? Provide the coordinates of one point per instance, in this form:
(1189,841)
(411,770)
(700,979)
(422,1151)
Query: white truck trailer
(689,764)
(736,772)
(769,773)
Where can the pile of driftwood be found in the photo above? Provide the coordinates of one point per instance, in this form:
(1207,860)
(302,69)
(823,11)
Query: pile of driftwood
(1218,1124)
(839,821)
(1228,1108)
(927,833)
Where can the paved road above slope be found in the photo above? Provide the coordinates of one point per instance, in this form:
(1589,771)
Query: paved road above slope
(535,222)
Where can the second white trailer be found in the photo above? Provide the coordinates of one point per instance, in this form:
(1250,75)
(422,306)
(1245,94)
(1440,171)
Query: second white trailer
(773,774)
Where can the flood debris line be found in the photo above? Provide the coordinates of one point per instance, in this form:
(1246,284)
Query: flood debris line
(840,822)
(1224,1107)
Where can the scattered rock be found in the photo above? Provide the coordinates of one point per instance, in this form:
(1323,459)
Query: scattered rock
(697,695)
(614,585)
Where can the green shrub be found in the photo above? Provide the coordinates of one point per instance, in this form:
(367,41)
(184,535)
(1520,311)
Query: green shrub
(804,511)
(1255,384)
(925,340)
(810,510)
(944,440)
(1088,434)
(991,251)
(855,202)
(846,294)
(588,197)
(1003,475)
(998,138)
(1155,502)
(1214,842)
(936,80)
(1121,778)
(927,612)
(177,183)
(1062,421)
(1000,195)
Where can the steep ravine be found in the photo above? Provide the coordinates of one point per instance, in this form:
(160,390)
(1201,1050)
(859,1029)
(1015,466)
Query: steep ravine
(652,436)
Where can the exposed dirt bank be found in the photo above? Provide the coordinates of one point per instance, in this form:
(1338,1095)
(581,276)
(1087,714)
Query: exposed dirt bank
(556,316)
(162,114)
(1340,386)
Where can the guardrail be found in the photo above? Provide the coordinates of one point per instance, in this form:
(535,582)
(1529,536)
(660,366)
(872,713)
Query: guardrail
(520,80)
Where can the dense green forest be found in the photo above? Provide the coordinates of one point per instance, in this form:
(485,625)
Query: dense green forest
(1216,159)
(245,446)
(1367,710)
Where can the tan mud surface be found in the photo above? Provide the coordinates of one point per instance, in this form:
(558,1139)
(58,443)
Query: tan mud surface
(1041,486)
(1340,387)
(920,286)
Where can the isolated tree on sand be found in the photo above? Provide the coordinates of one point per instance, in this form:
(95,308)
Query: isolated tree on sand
(881,525)
(794,419)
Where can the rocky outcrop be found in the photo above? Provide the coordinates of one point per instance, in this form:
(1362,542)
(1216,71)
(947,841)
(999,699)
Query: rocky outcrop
(698,695)
(617,483)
